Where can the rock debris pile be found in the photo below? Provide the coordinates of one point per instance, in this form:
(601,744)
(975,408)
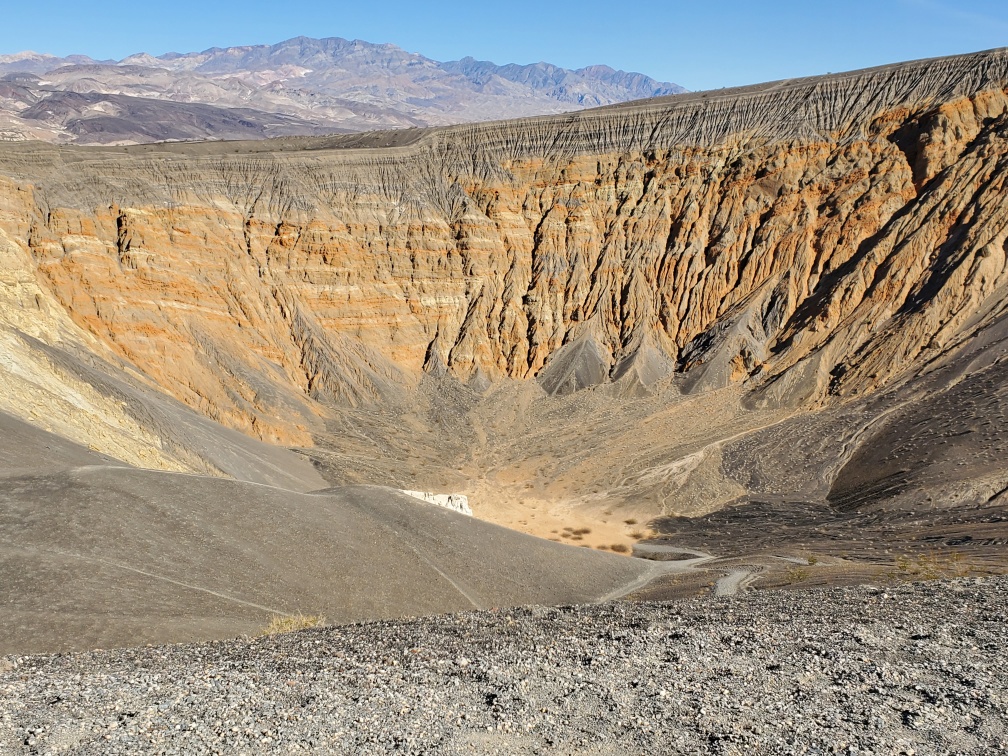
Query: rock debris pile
(916,668)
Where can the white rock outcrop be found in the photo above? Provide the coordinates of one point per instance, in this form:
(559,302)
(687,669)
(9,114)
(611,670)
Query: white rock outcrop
(455,502)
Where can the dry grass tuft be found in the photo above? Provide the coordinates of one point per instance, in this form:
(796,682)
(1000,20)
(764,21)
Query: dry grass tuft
(931,566)
(620,548)
(630,521)
(279,623)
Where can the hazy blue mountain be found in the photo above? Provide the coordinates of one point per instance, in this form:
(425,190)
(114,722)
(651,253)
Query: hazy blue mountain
(299,86)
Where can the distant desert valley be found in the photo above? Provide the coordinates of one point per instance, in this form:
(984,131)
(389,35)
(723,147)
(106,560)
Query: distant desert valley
(690,346)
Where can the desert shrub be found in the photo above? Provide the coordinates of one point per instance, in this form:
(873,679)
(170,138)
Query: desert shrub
(280,623)
(630,521)
(795,574)
(931,566)
(620,548)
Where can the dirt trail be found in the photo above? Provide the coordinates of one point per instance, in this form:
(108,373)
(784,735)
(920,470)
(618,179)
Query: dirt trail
(736,581)
(659,568)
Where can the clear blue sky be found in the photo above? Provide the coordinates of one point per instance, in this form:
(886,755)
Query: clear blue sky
(701,44)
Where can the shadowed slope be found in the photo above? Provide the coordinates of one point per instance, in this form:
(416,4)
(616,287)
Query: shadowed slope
(27,449)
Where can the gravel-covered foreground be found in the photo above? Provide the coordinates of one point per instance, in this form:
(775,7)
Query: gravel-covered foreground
(918,668)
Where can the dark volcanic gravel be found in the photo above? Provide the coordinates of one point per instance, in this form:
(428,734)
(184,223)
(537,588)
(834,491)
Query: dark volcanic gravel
(916,668)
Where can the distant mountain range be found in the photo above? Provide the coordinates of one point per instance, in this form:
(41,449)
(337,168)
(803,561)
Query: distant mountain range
(300,86)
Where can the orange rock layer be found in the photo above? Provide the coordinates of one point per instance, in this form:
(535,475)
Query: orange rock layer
(810,239)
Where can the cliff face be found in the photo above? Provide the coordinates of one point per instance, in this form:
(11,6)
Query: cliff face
(804,241)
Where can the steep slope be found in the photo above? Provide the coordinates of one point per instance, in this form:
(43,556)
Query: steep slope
(63,381)
(739,234)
